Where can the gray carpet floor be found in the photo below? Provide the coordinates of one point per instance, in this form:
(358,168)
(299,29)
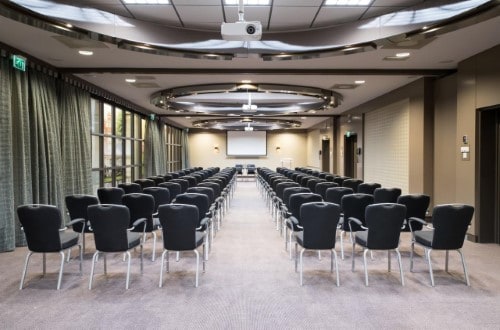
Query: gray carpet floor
(250,283)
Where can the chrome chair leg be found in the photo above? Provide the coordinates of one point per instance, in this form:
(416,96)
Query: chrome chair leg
(428,254)
(400,267)
(366,270)
(301,265)
(128,270)
(160,284)
(446,261)
(334,254)
(25,269)
(197,267)
(465,267)
(94,260)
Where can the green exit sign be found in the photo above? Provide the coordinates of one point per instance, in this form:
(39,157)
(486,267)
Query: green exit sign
(19,62)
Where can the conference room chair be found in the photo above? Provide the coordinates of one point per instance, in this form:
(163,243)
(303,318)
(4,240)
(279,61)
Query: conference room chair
(416,207)
(184,184)
(292,222)
(174,175)
(110,195)
(190,179)
(449,227)
(202,202)
(181,232)
(77,208)
(130,187)
(340,180)
(386,195)
(382,231)
(318,221)
(112,234)
(353,206)
(329,178)
(368,187)
(278,201)
(167,177)
(41,225)
(220,199)
(321,188)
(145,183)
(311,184)
(174,189)
(239,168)
(156,179)
(352,183)
(161,196)
(285,206)
(251,169)
(142,206)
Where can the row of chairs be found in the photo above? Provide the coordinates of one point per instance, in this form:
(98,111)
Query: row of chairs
(184,220)
(372,225)
(250,168)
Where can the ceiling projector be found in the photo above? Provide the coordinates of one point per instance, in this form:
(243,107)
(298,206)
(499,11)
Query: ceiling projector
(241,31)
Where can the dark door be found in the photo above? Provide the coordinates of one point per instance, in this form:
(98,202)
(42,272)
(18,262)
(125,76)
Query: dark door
(325,155)
(488,176)
(350,146)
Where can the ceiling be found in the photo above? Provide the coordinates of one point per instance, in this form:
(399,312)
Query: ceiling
(314,36)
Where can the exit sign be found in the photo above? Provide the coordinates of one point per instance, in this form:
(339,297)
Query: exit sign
(19,62)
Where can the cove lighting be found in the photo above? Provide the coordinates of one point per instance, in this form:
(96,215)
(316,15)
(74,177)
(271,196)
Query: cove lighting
(347,2)
(86,52)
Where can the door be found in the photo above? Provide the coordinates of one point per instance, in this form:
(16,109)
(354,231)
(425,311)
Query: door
(488,176)
(325,155)
(350,147)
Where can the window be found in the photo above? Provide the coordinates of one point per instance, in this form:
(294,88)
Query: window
(173,139)
(117,144)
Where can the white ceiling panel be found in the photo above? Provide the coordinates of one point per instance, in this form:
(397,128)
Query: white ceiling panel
(252,13)
(299,3)
(202,14)
(337,15)
(397,3)
(379,11)
(160,14)
(281,17)
(196,2)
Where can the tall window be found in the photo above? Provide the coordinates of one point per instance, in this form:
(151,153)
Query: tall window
(174,148)
(117,144)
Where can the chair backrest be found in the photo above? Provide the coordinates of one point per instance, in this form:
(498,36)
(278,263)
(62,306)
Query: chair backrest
(239,168)
(296,201)
(450,222)
(335,194)
(329,177)
(184,184)
(173,187)
(311,184)
(386,195)
(280,187)
(178,222)
(140,206)
(201,201)
(321,188)
(110,195)
(77,207)
(305,179)
(109,223)
(384,223)
(130,187)
(368,187)
(287,192)
(416,206)
(215,187)
(203,190)
(340,180)
(354,205)
(190,179)
(41,224)
(167,177)
(156,179)
(145,183)
(251,168)
(161,195)
(319,220)
(352,183)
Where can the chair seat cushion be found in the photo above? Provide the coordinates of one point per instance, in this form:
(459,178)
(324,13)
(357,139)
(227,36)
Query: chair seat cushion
(361,237)
(68,239)
(424,237)
(299,237)
(134,239)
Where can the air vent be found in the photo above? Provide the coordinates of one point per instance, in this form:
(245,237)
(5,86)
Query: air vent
(145,85)
(344,86)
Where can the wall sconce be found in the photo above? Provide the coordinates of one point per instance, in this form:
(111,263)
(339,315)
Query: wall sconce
(216,149)
(278,149)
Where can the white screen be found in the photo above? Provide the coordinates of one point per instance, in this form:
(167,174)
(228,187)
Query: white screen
(246,143)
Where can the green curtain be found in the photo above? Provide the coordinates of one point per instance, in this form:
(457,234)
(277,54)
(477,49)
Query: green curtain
(45,145)
(76,146)
(185,149)
(154,149)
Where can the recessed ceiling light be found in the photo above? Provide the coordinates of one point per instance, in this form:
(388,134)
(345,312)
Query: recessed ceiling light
(69,25)
(187,117)
(86,52)
(359,82)
(246,81)
(304,118)
(130,80)
(405,54)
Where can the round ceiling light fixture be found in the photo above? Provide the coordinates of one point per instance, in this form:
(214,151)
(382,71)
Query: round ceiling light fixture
(254,99)
(257,124)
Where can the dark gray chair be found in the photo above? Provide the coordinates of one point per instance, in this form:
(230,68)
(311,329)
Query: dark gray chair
(174,189)
(42,227)
(110,195)
(386,195)
(250,168)
(368,187)
(110,224)
(183,182)
(77,208)
(145,183)
(142,206)
(130,187)
(318,221)
(352,183)
(383,228)
(353,205)
(416,207)
(181,232)
(449,227)
(321,188)
(239,168)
